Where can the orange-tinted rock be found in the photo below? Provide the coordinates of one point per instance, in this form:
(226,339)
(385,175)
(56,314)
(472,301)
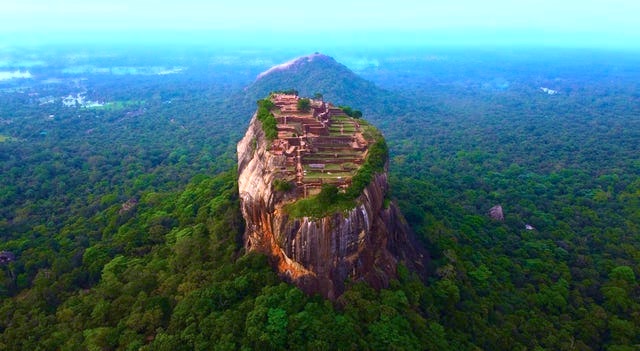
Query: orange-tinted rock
(318,255)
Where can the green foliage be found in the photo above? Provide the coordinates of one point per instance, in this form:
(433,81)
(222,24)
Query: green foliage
(329,200)
(347,110)
(377,157)
(570,277)
(304,105)
(193,291)
(170,275)
(623,273)
(351,112)
(266,104)
(282,185)
(336,83)
(264,115)
(287,92)
(328,194)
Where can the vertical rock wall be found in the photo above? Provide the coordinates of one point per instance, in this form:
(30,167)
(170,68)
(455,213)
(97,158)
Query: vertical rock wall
(318,255)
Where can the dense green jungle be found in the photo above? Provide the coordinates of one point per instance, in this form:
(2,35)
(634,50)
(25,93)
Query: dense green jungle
(120,225)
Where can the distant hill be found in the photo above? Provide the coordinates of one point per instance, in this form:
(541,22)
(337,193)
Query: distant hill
(318,73)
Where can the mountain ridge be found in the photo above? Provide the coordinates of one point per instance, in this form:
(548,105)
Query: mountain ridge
(293,63)
(318,73)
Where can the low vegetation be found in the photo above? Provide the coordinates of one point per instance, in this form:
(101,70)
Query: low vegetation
(304,105)
(351,112)
(328,201)
(282,185)
(332,200)
(268,121)
(286,92)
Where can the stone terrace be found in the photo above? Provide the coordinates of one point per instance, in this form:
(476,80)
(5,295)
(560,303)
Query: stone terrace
(322,146)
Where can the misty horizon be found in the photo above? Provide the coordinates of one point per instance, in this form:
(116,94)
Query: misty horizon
(404,23)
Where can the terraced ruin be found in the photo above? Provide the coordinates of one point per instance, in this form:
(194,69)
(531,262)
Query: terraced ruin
(322,145)
(313,188)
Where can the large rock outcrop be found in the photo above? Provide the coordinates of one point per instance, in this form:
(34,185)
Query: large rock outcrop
(319,254)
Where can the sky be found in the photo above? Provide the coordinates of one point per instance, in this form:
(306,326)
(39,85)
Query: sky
(545,22)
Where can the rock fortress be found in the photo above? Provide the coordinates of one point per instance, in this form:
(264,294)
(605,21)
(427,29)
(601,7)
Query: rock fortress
(314,192)
(321,146)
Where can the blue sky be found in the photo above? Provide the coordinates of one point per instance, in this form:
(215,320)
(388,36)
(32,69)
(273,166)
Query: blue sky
(551,22)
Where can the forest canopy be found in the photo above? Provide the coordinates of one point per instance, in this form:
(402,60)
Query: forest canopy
(119,204)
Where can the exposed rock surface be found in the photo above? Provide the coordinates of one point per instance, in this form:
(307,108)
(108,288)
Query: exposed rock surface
(318,255)
(128,206)
(496,213)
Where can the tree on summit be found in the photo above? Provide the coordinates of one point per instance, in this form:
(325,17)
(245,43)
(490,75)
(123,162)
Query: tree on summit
(304,105)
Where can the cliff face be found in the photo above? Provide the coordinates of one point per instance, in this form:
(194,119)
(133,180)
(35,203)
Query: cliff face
(364,243)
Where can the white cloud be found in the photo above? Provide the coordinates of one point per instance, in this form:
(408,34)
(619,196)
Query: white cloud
(7,75)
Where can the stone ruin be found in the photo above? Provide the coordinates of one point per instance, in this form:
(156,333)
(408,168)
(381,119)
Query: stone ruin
(321,146)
